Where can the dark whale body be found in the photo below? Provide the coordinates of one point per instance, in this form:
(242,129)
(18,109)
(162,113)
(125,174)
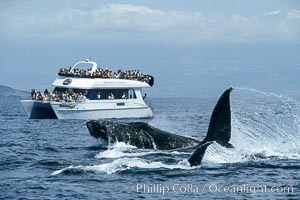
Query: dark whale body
(143,135)
(139,134)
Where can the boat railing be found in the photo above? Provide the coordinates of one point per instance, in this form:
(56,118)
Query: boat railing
(145,78)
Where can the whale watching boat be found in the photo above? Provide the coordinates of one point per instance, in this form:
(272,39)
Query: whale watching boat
(92,93)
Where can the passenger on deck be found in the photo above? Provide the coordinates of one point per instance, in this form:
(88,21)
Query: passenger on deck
(64,96)
(33,94)
(57,94)
(39,96)
(80,97)
(103,73)
(84,99)
(98,95)
(145,95)
(111,95)
(51,96)
(46,92)
(124,96)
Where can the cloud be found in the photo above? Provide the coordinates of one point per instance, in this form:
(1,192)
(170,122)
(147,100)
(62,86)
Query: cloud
(294,15)
(132,22)
(275,12)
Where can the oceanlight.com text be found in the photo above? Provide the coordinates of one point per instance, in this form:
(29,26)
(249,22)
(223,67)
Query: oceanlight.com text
(164,189)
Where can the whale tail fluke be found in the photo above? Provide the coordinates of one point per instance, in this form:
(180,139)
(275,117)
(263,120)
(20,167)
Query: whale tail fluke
(219,129)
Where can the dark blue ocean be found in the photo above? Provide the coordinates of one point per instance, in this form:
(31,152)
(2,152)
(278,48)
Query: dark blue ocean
(58,159)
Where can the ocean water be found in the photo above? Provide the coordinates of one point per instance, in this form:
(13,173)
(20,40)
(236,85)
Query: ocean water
(58,159)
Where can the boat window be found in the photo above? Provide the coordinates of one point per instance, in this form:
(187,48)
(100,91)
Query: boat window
(101,94)
(110,94)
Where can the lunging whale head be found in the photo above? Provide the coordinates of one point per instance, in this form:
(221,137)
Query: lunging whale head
(111,132)
(99,130)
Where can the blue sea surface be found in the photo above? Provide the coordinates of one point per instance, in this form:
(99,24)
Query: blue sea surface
(58,159)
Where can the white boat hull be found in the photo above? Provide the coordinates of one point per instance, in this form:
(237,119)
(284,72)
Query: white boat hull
(105,114)
(87,110)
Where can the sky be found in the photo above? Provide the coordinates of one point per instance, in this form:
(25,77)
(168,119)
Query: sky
(192,48)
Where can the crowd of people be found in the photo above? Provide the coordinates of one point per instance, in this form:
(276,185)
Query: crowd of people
(102,73)
(66,96)
(58,96)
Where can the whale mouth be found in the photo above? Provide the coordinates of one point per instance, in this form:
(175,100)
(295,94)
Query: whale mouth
(97,130)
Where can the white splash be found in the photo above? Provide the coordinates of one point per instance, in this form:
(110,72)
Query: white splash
(123,164)
(263,124)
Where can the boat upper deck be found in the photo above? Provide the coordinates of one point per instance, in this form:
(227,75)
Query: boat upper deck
(98,77)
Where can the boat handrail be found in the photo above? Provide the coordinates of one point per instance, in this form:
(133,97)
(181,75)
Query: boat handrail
(146,78)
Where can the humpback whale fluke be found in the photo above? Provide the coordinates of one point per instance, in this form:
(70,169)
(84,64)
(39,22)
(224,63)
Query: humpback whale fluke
(219,129)
(143,135)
